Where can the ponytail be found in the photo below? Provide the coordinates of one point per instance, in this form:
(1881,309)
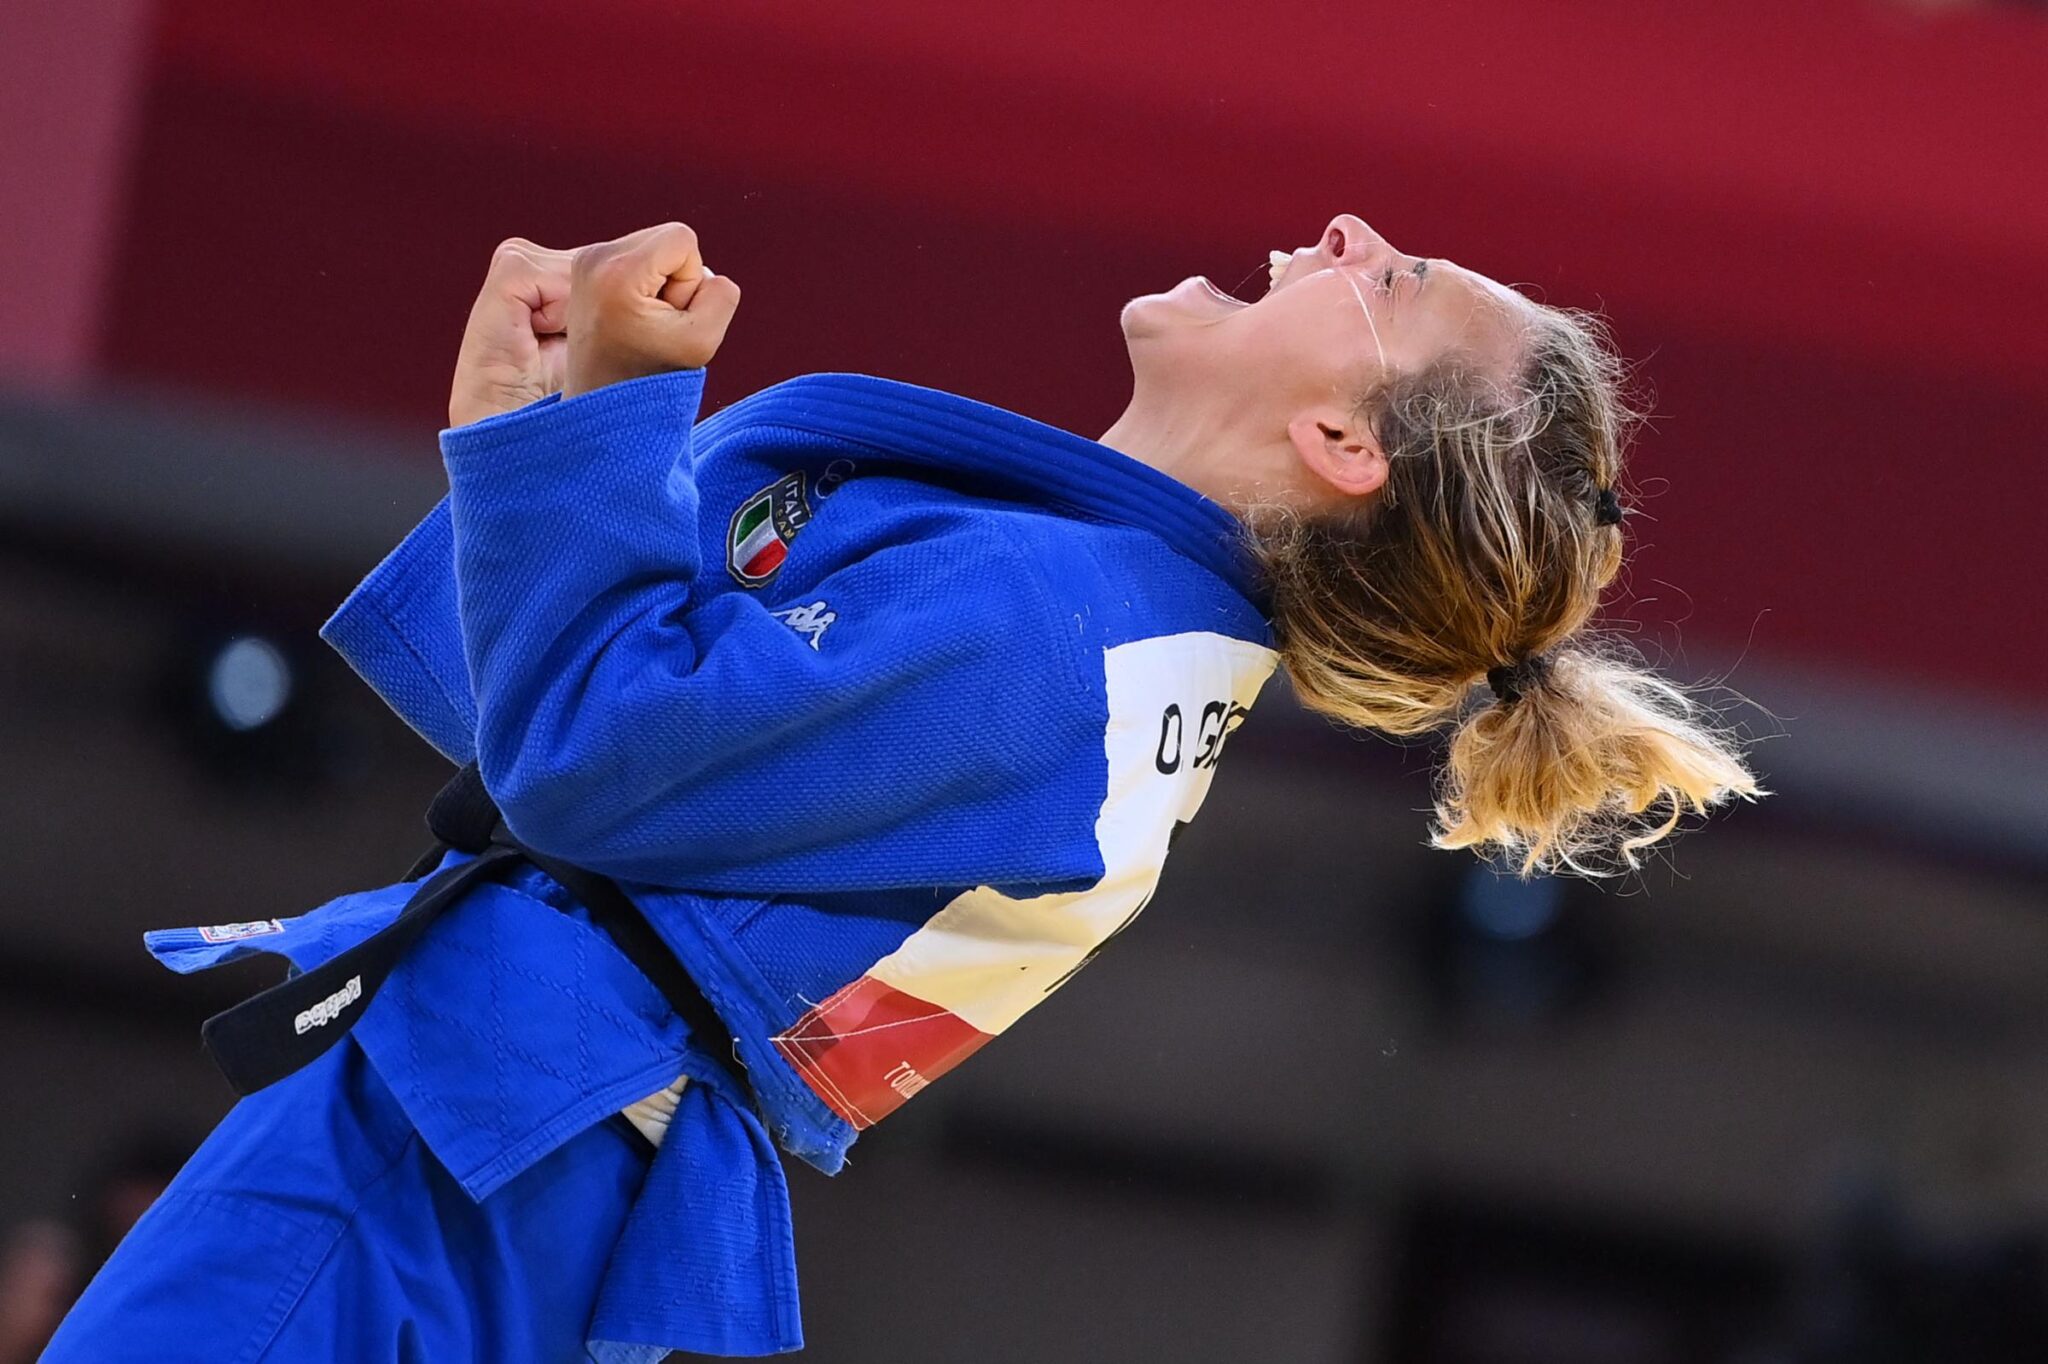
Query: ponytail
(1481,559)
(1593,760)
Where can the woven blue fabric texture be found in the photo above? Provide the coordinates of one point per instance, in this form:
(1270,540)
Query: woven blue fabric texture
(798,675)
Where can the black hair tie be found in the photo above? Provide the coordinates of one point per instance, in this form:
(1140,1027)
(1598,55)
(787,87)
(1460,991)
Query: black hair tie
(1607,508)
(1511,680)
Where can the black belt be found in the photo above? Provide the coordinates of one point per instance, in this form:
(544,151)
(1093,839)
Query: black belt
(265,1038)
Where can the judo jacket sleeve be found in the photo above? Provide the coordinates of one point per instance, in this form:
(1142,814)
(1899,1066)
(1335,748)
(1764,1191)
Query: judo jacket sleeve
(631,720)
(396,630)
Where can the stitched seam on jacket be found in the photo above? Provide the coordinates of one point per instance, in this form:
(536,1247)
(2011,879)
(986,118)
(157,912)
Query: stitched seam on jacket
(264,1344)
(455,710)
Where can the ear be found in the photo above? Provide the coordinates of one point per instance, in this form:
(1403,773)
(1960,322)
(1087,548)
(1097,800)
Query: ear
(1339,451)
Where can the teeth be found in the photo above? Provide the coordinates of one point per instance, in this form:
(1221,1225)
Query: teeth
(1276,264)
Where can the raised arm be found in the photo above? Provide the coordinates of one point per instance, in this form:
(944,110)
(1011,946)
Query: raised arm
(399,629)
(707,743)
(634,726)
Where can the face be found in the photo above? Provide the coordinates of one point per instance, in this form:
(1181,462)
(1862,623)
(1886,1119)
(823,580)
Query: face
(1336,317)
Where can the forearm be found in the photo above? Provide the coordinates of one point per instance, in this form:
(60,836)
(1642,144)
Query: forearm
(574,527)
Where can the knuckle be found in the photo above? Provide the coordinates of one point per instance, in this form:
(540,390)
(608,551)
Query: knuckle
(589,260)
(609,268)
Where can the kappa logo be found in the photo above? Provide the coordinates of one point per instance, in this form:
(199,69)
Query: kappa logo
(757,542)
(808,620)
(254,928)
(328,1009)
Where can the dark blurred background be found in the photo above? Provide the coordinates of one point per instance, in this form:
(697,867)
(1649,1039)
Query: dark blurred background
(1780,1099)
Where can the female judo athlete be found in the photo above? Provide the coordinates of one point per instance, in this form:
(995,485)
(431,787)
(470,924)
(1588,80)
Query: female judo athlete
(805,747)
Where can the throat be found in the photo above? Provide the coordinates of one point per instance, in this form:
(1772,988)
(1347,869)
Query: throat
(1217,458)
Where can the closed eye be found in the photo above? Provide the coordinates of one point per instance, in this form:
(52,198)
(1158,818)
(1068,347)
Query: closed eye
(1419,272)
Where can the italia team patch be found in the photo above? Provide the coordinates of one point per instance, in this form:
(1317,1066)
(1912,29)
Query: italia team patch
(255,928)
(757,542)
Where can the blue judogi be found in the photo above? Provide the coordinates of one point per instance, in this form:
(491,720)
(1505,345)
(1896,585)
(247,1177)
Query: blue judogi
(882,704)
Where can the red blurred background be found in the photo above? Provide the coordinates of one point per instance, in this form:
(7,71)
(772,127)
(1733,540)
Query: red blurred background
(241,241)
(1822,226)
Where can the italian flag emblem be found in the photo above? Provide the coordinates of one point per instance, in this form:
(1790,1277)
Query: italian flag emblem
(762,528)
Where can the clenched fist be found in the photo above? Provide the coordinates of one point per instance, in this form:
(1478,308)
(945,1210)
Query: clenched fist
(514,349)
(642,305)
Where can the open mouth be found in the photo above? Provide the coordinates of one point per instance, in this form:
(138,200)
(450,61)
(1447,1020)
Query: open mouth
(1277,263)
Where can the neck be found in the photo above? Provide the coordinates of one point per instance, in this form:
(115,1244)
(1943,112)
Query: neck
(1219,453)
(1177,439)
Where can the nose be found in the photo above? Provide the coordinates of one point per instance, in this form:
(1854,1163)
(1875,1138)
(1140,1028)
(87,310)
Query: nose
(1350,239)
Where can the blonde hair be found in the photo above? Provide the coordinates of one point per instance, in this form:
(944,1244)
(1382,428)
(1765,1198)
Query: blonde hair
(1485,552)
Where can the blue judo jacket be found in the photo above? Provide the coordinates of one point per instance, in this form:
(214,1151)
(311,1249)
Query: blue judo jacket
(882,703)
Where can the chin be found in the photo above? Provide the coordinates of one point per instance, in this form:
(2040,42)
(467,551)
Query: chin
(1146,315)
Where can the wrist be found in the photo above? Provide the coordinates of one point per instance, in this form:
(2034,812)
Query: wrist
(657,399)
(581,384)
(471,409)
(479,414)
